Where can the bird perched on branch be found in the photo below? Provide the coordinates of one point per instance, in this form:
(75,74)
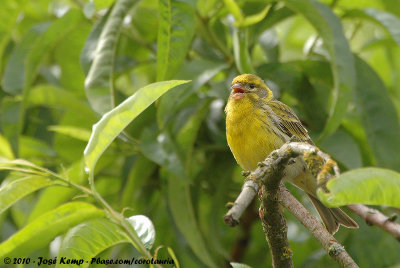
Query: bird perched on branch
(257,124)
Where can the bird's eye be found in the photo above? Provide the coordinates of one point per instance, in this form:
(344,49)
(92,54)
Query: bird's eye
(252,85)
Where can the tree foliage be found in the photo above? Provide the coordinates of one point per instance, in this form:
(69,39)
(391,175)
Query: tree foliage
(142,86)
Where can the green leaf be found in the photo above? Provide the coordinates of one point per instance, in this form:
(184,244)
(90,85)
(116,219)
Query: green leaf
(186,136)
(87,240)
(274,17)
(200,71)
(234,8)
(370,186)
(254,19)
(89,49)
(175,32)
(15,72)
(47,42)
(184,216)
(22,68)
(379,116)
(341,60)
(17,189)
(44,229)
(54,196)
(173,256)
(139,174)
(71,131)
(161,149)
(10,121)
(5,148)
(99,81)
(54,97)
(387,20)
(240,50)
(113,122)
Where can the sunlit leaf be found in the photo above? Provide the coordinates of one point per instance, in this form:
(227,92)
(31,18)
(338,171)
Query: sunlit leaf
(44,229)
(234,9)
(240,50)
(99,81)
(71,131)
(370,186)
(89,239)
(10,121)
(5,148)
(386,19)
(175,31)
(200,71)
(54,196)
(253,19)
(17,189)
(113,122)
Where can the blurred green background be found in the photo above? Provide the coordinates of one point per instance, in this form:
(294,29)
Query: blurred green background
(64,63)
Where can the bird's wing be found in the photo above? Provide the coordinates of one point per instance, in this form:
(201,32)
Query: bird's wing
(288,122)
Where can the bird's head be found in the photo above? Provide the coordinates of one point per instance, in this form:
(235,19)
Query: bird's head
(250,86)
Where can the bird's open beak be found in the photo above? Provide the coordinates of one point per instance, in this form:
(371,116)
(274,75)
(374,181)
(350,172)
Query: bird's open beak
(237,91)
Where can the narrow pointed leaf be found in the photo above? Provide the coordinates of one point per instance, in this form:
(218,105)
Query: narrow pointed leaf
(99,81)
(234,9)
(240,50)
(54,97)
(329,27)
(379,116)
(89,239)
(71,131)
(175,32)
(14,76)
(17,189)
(370,186)
(44,229)
(89,49)
(184,217)
(113,122)
(388,20)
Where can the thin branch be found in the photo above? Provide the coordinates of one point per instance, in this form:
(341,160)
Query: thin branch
(249,190)
(375,217)
(328,242)
(268,176)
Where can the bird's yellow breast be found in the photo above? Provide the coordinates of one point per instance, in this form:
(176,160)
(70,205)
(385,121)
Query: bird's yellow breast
(249,133)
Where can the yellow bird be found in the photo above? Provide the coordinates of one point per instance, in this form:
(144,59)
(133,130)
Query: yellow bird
(257,124)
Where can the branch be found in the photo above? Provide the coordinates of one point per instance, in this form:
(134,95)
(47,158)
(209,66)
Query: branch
(273,221)
(268,176)
(375,217)
(328,242)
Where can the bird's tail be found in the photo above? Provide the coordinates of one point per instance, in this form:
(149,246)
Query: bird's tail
(332,217)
